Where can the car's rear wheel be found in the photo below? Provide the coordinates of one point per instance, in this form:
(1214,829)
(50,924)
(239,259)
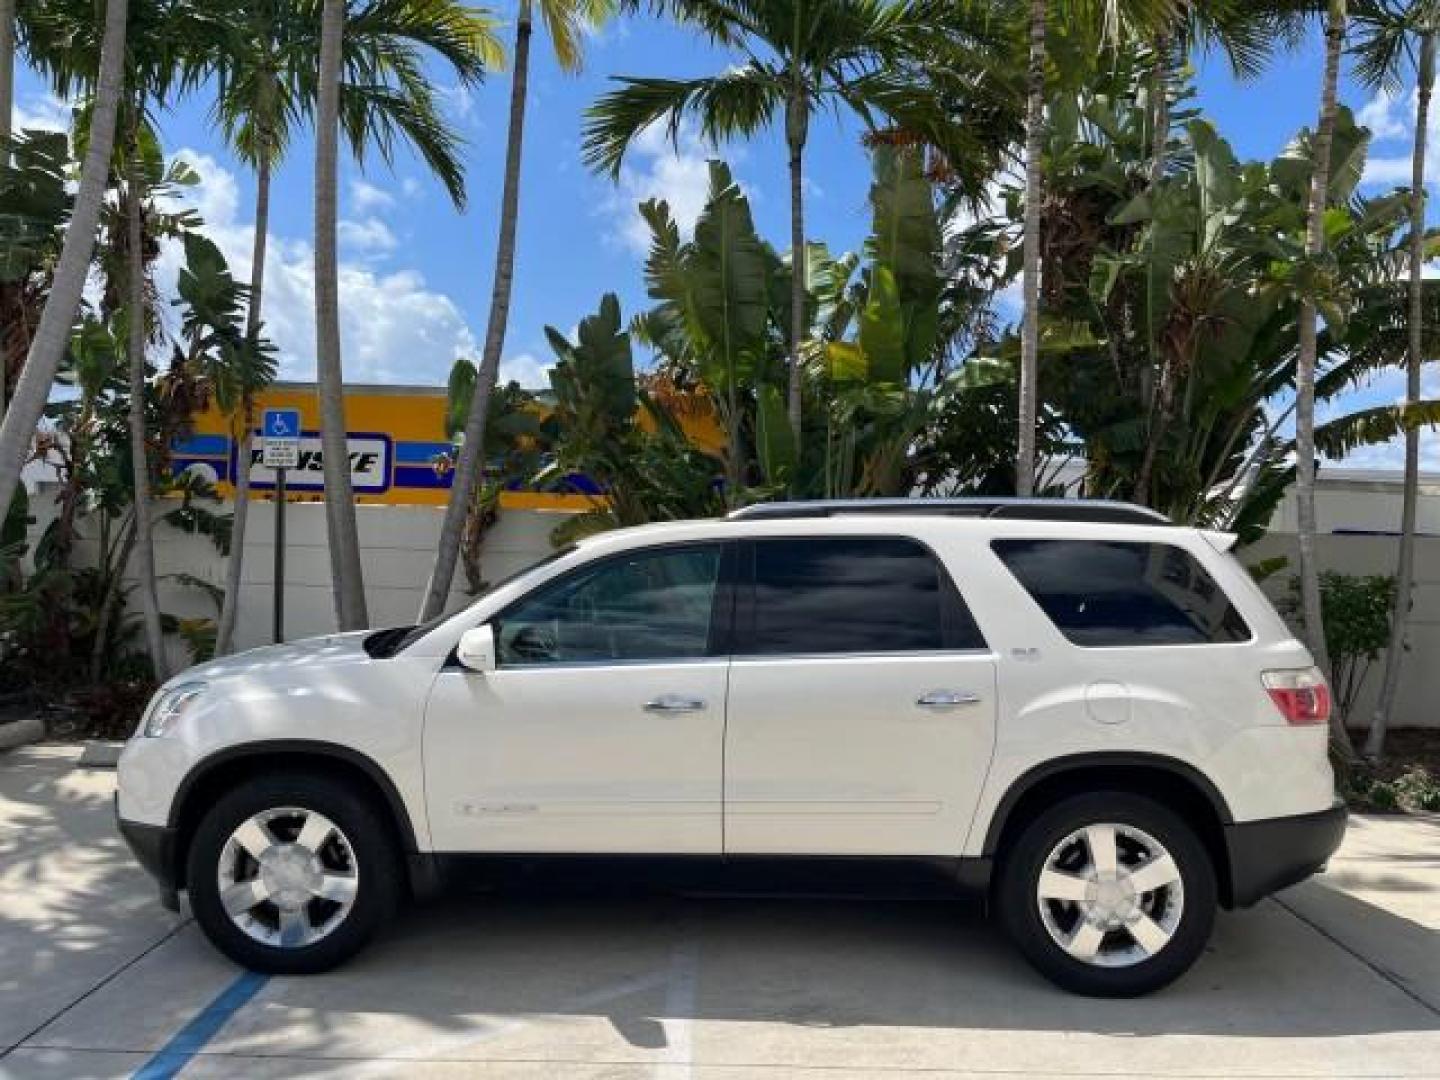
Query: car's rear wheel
(1109,894)
(292,874)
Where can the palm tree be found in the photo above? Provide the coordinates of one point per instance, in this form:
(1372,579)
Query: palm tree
(32,391)
(1106,17)
(566,21)
(7,90)
(347,576)
(802,55)
(163,52)
(255,104)
(264,88)
(1030,255)
(137,334)
(1335,18)
(1387,47)
(7,105)
(1246,31)
(436,22)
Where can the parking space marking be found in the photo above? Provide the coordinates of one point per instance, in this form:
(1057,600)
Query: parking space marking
(680,998)
(191,1039)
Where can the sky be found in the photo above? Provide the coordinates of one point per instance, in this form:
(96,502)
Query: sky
(416,273)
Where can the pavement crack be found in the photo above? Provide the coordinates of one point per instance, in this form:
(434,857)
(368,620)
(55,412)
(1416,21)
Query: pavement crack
(1391,978)
(106,981)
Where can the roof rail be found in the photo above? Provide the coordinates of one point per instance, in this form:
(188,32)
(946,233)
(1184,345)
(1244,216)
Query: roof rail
(1087,510)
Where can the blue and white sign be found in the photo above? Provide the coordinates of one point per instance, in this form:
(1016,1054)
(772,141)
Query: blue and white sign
(280,438)
(281,424)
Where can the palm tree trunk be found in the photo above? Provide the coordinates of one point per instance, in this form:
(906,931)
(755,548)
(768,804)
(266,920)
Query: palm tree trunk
(797,124)
(144,553)
(1160,136)
(112,597)
(1305,365)
(47,349)
(1160,413)
(7,82)
(472,449)
(347,576)
(230,606)
(1030,326)
(1405,567)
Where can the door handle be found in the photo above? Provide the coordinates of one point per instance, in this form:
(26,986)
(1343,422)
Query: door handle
(947,699)
(674,703)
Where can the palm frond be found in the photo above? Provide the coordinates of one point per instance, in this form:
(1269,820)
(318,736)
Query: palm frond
(381,116)
(736,103)
(1370,427)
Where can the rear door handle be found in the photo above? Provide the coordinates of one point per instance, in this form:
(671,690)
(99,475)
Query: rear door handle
(674,703)
(940,700)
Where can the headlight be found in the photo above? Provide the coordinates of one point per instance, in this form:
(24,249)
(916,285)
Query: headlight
(170,706)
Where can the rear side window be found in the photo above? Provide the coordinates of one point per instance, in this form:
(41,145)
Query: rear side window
(1100,593)
(853,594)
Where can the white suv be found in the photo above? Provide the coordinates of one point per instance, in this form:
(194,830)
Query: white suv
(1087,711)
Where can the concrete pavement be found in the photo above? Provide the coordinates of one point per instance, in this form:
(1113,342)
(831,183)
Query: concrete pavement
(1339,977)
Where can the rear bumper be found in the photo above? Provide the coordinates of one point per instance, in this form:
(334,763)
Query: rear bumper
(1268,855)
(154,849)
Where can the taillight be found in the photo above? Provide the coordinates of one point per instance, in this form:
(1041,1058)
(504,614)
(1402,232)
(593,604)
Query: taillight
(1301,695)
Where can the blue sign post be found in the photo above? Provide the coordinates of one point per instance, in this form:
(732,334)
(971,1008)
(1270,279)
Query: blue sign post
(279,450)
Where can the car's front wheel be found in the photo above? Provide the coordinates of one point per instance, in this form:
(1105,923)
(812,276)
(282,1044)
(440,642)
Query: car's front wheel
(292,874)
(1109,894)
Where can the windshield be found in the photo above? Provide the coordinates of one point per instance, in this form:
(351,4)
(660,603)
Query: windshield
(387,643)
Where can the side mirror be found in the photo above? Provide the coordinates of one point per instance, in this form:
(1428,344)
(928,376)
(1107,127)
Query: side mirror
(476,650)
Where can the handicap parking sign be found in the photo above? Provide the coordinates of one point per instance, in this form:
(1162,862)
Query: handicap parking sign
(281,424)
(280,438)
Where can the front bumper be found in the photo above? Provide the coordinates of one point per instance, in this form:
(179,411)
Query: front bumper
(1268,855)
(154,849)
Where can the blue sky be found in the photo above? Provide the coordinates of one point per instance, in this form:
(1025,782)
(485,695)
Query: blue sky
(416,274)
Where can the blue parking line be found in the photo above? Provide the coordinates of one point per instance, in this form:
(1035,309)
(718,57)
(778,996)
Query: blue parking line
(191,1039)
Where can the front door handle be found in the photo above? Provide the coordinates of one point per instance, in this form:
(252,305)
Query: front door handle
(674,703)
(940,700)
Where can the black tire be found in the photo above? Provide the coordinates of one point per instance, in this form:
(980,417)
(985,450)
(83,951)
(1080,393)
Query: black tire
(379,876)
(1019,907)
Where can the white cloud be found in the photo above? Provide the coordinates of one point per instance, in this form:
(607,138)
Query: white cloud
(44,112)
(528,370)
(1384,116)
(367,236)
(656,168)
(458,103)
(1392,119)
(367,197)
(393,327)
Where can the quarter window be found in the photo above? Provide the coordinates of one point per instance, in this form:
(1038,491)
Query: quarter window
(651,605)
(1103,593)
(853,595)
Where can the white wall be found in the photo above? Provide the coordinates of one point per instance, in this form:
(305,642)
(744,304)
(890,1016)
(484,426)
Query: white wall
(1358,515)
(397,545)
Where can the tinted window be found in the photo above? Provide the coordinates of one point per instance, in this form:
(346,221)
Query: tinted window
(853,595)
(1101,593)
(653,605)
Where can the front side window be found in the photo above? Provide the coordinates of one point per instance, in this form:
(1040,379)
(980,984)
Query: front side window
(853,594)
(1105,593)
(650,605)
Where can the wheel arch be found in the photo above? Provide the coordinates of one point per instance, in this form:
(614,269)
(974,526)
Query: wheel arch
(1169,781)
(223,770)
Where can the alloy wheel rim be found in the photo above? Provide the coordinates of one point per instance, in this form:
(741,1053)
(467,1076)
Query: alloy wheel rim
(288,877)
(1110,895)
